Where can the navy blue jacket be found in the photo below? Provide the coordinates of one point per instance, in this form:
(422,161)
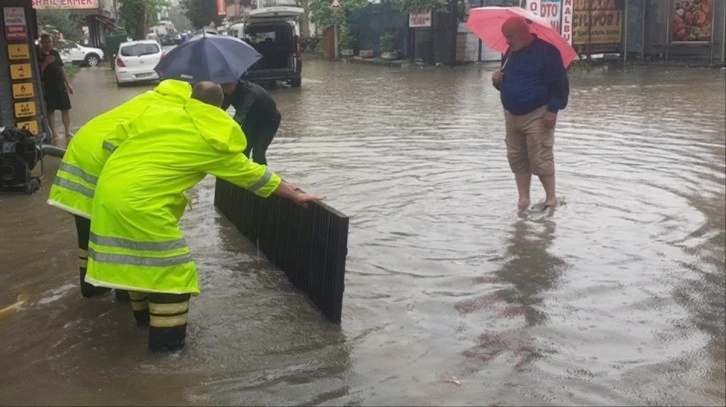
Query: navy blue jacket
(534,76)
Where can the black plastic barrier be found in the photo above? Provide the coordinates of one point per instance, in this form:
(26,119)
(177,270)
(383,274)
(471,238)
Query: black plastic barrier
(309,244)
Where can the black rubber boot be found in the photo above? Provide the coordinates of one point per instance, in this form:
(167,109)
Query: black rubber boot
(167,339)
(140,306)
(122,295)
(168,325)
(88,290)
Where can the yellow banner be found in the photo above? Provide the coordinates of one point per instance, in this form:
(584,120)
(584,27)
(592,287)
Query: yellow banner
(21,71)
(597,25)
(18,51)
(31,125)
(25,109)
(23,90)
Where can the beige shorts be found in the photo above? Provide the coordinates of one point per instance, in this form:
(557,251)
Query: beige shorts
(529,143)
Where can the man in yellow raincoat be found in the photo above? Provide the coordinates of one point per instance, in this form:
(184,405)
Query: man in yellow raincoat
(75,182)
(136,243)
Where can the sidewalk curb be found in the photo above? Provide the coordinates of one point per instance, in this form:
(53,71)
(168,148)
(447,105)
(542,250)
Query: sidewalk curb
(378,61)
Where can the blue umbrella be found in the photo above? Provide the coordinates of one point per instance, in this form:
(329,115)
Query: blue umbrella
(216,58)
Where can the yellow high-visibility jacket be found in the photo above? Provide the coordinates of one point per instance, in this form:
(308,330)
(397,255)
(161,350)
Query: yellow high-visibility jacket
(89,149)
(136,243)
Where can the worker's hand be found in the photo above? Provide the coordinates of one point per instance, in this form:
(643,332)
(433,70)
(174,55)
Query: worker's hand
(550,119)
(497,77)
(293,193)
(302,199)
(70,88)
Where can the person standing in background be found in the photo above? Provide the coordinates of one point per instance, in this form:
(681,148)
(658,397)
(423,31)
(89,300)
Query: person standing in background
(56,86)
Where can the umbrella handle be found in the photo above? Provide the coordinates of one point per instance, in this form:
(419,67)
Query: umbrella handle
(505,62)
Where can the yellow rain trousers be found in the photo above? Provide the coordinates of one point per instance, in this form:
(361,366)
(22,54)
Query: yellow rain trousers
(136,243)
(89,149)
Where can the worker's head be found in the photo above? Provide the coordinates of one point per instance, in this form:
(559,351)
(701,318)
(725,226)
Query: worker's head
(229,87)
(209,93)
(516,32)
(46,42)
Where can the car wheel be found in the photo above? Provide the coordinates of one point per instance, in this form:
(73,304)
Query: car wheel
(92,60)
(295,82)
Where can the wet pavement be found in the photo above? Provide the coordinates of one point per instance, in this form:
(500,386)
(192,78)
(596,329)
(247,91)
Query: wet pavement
(615,298)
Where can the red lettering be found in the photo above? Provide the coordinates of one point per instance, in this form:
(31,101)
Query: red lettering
(549,10)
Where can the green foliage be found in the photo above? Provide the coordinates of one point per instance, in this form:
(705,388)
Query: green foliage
(323,15)
(138,15)
(61,21)
(71,71)
(386,40)
(418,6)
(179,19)
(318,50)
(346,39)
(201,12)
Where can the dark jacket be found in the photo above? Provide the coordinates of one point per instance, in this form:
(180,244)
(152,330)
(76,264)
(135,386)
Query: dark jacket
(534,76)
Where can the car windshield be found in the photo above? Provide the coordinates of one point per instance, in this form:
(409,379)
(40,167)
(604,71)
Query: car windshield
(137,50)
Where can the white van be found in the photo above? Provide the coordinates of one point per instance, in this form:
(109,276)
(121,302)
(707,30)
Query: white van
(273,30)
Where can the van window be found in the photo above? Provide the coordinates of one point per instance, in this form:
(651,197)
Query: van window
(137,50)
(276,3)
(260,37)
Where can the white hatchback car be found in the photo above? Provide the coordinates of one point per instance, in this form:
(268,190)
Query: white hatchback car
(135,61)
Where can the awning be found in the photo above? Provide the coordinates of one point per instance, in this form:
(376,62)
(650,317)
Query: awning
(106,21)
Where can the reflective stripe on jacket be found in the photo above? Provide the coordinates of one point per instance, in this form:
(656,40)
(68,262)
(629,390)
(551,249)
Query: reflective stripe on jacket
(136,242)
(76,179)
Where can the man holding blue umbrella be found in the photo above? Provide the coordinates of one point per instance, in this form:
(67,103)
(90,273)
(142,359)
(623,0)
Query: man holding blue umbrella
(257,114)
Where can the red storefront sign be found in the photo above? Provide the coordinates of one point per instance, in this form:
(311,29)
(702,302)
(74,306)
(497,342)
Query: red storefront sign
(16,33)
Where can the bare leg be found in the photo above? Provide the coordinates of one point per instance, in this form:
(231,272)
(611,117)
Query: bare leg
(66,117)
(548,182)
(523,183)
(51,122)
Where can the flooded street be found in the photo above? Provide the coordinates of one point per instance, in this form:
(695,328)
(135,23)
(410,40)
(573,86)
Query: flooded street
(617,298)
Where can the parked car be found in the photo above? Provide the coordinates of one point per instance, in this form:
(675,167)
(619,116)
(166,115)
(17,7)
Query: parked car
(76,54)
(273,30)
(135,61)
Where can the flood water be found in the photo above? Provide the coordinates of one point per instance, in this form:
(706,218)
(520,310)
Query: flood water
(452,298)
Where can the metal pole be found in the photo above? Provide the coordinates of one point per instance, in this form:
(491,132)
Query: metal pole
(625,33)
(723,30)
(481,4)
(589,32)
(642,30)
(713,33)
(453,9)
(335,40)
(669,10)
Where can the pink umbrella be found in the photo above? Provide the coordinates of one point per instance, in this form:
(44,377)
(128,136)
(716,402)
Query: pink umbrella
(486,23)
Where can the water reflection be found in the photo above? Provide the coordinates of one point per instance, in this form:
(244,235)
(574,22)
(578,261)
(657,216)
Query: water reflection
(528,271)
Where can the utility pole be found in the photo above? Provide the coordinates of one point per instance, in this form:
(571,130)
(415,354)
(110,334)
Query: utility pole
(481,4)
(454,18)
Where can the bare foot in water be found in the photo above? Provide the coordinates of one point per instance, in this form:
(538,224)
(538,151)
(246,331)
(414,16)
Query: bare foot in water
(523,203)
(551,204)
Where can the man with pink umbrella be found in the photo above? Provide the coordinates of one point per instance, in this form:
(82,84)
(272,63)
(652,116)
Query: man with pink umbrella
(534,87)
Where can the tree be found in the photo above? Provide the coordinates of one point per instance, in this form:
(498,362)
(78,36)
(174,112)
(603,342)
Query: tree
(201,12)
(418,6)
(63,22)
(179,19)
(138,15)
(323,15)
